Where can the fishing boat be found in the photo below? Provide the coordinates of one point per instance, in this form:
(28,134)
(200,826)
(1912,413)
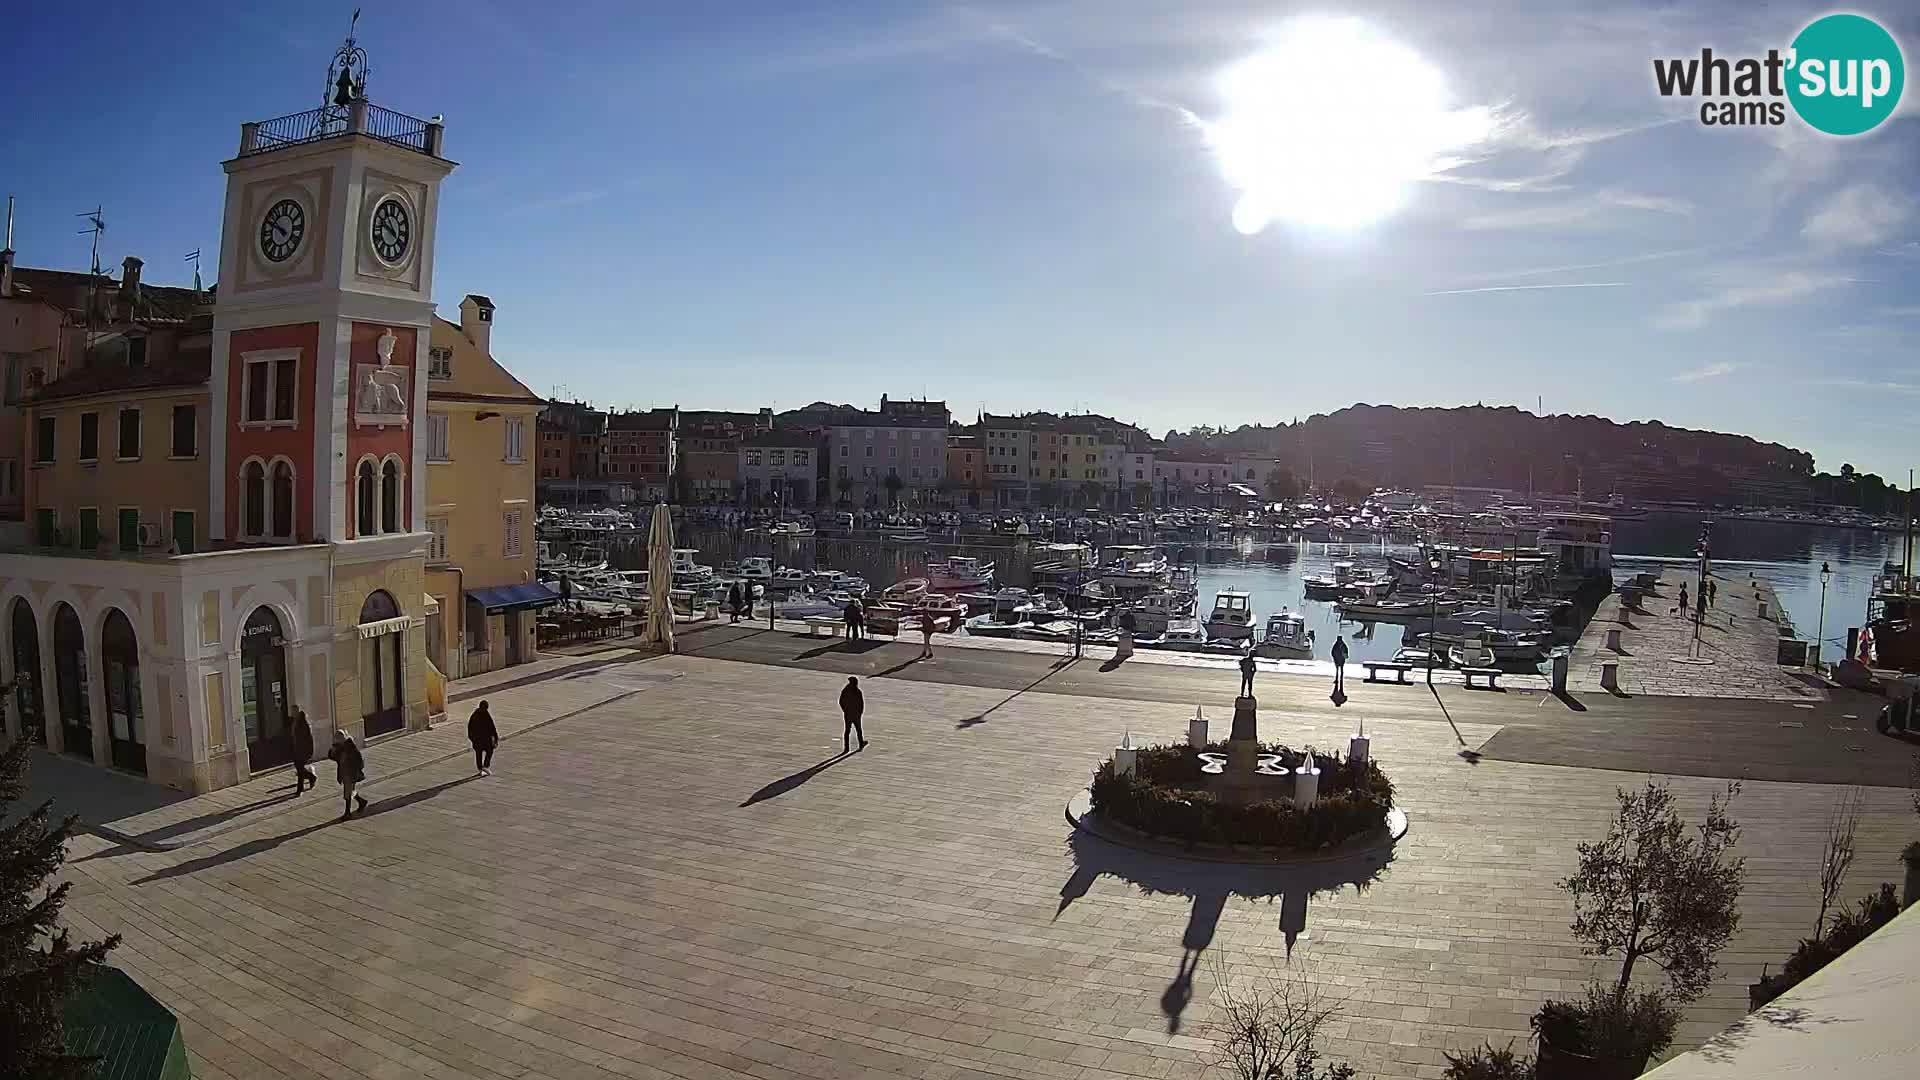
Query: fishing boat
(1286,638)
(905,592)
(1471,652)
(1398,611)
(1232,618)
(788,577)
(1153,612)
(793,529)
(756,568)
(1187,635)
(1131,566)
(1009,613)
(959,572)
(688,572)
(903,534)
(946,612)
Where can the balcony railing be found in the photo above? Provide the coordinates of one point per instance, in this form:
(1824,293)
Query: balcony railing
(332,121)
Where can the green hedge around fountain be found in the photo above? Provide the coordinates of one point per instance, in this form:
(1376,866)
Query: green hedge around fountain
(1167,798)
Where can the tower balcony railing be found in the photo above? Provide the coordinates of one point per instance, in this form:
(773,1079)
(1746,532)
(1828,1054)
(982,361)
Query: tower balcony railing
(333,121)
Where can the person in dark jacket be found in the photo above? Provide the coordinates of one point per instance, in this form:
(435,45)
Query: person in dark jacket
(1247,668)
(303,776)
(1339,661)
(484,737)
(350,768)
(852,704)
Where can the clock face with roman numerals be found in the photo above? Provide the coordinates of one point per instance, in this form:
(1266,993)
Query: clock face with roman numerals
(390,230)
(281,230)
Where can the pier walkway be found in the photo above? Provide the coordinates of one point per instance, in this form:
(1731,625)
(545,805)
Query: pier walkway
(1734,656)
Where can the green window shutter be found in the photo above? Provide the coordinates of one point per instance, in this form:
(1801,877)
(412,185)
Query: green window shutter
(89,529)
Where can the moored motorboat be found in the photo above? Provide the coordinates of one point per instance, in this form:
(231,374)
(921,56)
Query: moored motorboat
(1232,617)
(959,572)
(1286,638)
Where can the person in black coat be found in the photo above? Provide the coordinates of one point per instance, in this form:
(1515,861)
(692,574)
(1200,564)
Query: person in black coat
(1247,668)
(303,776)
(852,704)
(350,768)
(484,737)
(1339,661)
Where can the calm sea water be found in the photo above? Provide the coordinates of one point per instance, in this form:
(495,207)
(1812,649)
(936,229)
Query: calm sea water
(1789,556)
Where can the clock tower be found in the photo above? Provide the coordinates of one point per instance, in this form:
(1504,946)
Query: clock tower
(318,385)
(320,333)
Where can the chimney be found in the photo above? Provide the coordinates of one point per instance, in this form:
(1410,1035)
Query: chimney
(476,321)
(130,285)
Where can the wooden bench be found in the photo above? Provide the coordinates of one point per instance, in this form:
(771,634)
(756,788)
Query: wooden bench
(833,627)
(1491,674)
(1375,667)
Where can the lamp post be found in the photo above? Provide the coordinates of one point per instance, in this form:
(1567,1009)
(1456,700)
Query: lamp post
(1820,633)
(1433,629)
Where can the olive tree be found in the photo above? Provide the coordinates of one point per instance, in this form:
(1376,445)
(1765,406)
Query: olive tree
(1653,889)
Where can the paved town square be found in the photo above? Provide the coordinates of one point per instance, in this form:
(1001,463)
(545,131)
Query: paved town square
(683,876)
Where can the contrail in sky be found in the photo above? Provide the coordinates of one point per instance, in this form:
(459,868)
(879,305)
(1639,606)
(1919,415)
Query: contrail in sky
(1528,288)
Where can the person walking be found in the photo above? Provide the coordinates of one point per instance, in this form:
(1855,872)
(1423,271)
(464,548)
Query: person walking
(846,616)
(1713,594)
(350,768)
(926,634)
(303,774)
(1247,668)
(1683,598)
(852,704)
(859,618)
(484,737)
(1340,662)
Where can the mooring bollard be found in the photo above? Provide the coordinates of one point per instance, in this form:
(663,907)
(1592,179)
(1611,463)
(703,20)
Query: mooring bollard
(1613,639)
(1610,676)
(1125,756)
(1560,663)
(1763,609)
(1197,730)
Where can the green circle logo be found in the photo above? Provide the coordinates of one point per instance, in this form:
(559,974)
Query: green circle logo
(1846,74)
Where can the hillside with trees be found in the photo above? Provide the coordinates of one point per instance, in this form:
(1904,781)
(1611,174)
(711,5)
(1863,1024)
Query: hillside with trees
(1385,445)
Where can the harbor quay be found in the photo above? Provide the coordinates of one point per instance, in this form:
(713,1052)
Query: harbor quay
(674,871)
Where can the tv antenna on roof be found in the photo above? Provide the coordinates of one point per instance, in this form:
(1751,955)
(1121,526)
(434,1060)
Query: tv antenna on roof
(95,225)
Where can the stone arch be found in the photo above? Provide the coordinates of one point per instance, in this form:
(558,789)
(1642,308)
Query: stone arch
(124,695)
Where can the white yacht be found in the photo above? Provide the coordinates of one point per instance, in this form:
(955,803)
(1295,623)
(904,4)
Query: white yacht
(1232,616)
(688,572)
(756,568)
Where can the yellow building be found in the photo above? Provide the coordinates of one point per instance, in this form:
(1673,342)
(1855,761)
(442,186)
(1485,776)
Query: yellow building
(480,508)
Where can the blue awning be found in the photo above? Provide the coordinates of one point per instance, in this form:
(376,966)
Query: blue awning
(513,597)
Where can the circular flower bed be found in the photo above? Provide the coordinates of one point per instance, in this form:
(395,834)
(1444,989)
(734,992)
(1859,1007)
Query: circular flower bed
(1168,797)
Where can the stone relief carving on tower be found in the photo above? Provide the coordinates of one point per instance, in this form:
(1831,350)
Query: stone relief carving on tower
(380,394)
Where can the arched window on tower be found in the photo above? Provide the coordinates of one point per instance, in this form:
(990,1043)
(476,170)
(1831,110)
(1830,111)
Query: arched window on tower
(365,494)
(253,500)
(390,497)
(283,501)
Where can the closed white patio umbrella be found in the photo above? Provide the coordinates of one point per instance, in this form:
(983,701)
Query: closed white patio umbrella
(660,579)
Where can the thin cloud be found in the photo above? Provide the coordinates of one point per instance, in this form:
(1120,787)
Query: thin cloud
(1527,288)
(1857,216)
(1909,311)
(1590,211)
(1711,371)
(1784,288)
(571,198)
(1574,268)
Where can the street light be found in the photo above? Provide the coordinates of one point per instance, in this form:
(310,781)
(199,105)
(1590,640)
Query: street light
(1820,634)
(1433,629)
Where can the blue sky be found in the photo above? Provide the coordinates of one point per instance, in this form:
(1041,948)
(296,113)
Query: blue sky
(1026,205)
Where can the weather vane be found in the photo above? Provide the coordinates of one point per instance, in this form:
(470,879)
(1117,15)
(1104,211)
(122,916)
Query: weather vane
(347,74)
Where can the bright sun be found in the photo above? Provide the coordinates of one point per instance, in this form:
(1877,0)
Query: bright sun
(1330,125)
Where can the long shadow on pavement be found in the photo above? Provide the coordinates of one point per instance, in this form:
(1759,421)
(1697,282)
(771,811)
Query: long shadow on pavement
(788,783)
(1210,884)
(981,717)
(268,843)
